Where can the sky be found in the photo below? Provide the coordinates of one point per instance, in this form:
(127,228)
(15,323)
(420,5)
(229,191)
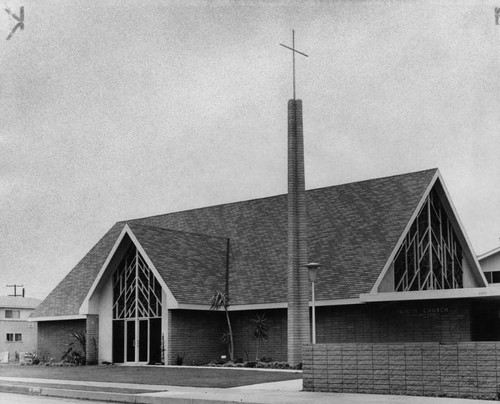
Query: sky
(115,110)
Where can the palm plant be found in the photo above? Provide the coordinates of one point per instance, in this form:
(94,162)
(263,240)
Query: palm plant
(260,330)
(221,300)
(72,355)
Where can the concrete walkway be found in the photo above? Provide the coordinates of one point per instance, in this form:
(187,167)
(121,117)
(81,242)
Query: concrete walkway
(287,392)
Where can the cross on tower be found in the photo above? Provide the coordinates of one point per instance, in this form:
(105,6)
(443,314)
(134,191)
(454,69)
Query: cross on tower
(294,51)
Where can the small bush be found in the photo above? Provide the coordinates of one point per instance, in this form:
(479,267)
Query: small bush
(179,359)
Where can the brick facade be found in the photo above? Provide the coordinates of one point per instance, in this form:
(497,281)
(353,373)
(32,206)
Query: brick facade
(54,336)
(462,369)
(196,335)
(297,278)
(245,345)
(92,339)
(440,321)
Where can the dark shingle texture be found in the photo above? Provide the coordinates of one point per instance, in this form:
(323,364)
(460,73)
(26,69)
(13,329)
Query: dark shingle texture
(352,229)
(69,294)
(192,265)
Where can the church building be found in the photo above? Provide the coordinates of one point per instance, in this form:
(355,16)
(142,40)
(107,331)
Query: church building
(397,266)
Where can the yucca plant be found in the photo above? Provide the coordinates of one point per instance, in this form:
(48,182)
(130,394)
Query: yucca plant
(221,300)
(72,355)
(260,331)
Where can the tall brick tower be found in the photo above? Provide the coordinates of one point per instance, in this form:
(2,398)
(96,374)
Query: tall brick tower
(298,284)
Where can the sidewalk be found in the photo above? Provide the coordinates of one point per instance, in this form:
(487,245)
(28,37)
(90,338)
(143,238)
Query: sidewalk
(286,392)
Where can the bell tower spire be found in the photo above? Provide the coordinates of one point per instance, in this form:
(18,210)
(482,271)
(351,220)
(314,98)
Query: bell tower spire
(297,281)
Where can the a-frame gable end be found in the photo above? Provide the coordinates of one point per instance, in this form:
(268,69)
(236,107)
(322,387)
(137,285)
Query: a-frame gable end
(122,243)
(433,252)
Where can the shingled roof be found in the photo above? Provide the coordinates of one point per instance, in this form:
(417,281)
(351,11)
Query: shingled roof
(192,265)
(352,230)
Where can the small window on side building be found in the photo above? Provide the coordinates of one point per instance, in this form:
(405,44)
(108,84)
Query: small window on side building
(9,337)
(18,337)
(12,314)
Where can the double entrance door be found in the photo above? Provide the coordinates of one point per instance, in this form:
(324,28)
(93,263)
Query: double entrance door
(137,341)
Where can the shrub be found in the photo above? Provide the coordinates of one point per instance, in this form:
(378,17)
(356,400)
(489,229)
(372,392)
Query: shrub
(72,355)
(179,359)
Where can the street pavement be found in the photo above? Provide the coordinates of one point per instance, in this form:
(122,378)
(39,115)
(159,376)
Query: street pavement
(286,392)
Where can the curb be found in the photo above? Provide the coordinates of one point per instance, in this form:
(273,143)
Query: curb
(107,397)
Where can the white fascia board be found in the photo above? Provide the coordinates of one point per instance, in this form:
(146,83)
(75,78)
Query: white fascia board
(236,307)
(269,306)
(430,295)
(337,302)
(258,306)
(475,266)
(58,318)
(171,301)
(404,233)
(488,253)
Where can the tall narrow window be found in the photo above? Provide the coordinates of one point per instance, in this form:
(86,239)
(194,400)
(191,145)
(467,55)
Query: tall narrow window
(9,337)
(136,291)
(431,255)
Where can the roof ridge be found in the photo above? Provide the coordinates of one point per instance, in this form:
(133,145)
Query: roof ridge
(377,178)
(282,195)
(173,230)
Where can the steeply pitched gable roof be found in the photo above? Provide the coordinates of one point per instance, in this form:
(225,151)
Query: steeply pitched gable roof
(352,229)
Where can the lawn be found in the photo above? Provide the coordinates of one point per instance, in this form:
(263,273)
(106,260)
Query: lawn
(179,376)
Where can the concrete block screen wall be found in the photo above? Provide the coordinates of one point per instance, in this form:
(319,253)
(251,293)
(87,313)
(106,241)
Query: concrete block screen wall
(461,369)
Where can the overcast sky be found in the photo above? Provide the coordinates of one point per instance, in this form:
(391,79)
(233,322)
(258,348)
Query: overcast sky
(115,110)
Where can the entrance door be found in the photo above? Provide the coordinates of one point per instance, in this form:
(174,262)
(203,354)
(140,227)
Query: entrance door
(130,342)
(143,340)
(137,311)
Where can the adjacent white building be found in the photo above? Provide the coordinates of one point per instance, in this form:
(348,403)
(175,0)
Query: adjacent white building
(490,264)
(17,334)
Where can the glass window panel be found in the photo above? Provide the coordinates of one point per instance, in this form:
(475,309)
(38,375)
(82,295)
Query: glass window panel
(12,313)
(495,277)
(444,270)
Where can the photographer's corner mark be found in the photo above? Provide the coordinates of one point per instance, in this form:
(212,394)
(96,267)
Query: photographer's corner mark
(19,19)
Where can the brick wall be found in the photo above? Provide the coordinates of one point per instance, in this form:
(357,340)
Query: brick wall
(438,321)
(463,369)
(274,347)
(197,335)
(92,339)
(53,336)
(297,277)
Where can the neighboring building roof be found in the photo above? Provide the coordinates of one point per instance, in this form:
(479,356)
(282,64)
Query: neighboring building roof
(488,254)
(16,302)
(352,230)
